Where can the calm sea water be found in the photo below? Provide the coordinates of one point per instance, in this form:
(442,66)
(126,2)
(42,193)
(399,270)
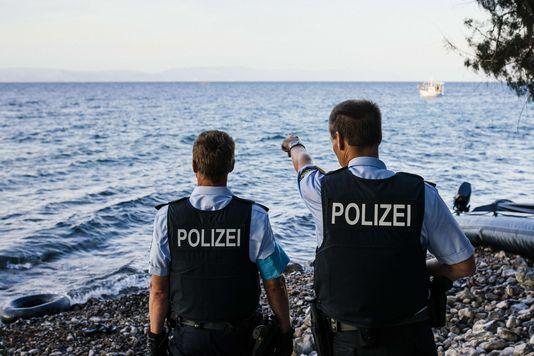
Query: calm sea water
(82,165)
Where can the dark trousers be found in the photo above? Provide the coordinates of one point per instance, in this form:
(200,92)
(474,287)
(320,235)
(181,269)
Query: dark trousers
(406,340)
(188,341)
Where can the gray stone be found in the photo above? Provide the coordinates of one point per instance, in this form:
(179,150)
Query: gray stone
(520,349)
(491,345)
(508,272)
(483,325)
(508,351)
(511,322)
(519,306)
(506,334)
(304,346)
(502,305)
(294,267)
(466,313)
(525,278)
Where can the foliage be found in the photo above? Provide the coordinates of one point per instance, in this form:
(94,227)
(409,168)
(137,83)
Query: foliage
(504,44)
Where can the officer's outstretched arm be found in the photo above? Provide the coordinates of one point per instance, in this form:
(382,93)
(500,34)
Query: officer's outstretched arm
(296,150)
(276,292)
(158,303)
(463,269)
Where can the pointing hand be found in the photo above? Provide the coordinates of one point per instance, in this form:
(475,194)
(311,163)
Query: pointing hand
(288,142)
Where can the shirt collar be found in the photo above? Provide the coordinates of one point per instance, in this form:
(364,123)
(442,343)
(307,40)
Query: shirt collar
(367,161)
(210,190)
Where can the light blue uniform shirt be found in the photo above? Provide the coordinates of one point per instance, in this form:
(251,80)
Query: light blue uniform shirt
(440,233)
(263,249)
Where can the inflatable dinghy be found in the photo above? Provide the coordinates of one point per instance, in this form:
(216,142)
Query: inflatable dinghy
(503,224)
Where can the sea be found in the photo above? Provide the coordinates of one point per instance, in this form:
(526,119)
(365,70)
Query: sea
(84,164)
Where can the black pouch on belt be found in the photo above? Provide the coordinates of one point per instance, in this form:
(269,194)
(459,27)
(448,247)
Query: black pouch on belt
(265,335)
(437,305)
(322,331)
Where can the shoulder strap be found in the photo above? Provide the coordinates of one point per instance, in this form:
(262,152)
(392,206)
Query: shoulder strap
(418,176)
(159,206)
(430,183)
(309,169)
(250,202)
(337,171)
(410,175)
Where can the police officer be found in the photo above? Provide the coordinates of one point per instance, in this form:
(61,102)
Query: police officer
(373,229)
(207,250)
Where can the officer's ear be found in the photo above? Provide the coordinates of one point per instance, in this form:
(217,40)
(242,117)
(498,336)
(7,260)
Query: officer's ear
(232,166)
(340,141)
(195,167)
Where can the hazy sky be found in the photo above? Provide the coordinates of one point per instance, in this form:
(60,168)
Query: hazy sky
(366,39)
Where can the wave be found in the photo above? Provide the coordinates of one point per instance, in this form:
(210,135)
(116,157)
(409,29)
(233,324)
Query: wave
(118,284)
(69,236)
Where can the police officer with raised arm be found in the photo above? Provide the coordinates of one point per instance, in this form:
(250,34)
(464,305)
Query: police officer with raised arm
(373,229)
(207,253)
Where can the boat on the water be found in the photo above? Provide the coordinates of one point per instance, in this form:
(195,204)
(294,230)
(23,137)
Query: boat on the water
(503,225)
(431,88)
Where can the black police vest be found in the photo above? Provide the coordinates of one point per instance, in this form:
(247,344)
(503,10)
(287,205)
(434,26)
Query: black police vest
(370,269)
(211,276)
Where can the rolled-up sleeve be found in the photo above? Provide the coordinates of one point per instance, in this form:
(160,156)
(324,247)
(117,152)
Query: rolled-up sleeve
(441,233)
(263,248)
(159,250)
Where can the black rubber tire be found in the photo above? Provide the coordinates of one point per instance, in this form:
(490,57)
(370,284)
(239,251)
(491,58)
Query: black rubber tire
(34,306)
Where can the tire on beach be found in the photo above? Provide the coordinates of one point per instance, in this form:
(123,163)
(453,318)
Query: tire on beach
(33,306)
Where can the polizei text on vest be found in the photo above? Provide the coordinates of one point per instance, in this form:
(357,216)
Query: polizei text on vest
(377,214)
(209,237)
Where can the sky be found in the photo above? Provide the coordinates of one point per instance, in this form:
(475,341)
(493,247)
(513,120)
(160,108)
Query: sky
(359,40)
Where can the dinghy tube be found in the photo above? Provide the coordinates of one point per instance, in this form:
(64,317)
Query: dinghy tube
(509,233)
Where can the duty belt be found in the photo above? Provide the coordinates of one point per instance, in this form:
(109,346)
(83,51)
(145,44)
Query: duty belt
(339,326)
(209,325)
(212,325)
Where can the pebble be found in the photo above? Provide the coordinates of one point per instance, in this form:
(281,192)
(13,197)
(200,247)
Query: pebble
(511,322)
(507,334)
(466,313)
(502,305)
(493,345)
(489,314)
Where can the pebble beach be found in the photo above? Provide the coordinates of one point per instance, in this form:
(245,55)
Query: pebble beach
(491,313)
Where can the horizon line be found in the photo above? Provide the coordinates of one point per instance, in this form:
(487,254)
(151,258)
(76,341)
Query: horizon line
(488,81)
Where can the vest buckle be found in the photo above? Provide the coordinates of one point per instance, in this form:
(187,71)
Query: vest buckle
(333,325)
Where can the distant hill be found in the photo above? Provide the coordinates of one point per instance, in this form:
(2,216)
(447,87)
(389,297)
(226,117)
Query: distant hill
(177,74)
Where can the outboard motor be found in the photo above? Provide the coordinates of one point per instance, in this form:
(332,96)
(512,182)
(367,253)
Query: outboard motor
(461,200)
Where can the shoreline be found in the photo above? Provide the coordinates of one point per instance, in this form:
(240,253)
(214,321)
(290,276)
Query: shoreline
(490,313)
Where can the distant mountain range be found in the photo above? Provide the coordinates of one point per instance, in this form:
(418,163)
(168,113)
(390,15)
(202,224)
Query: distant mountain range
(199,74)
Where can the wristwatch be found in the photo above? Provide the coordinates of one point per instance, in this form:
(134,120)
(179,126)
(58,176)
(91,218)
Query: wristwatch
(292,144)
